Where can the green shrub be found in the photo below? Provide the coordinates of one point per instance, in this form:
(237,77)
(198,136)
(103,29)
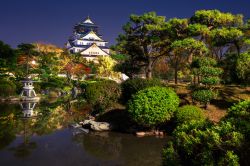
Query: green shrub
(101,95)
(53,94)
(55,82)
(210,80)
(37,87)
(239,115)
(132,86)
(243,67)
(83,85)
(189,112)
(215,144)
(7,88)
(153,106)
(240,109)
(203,96)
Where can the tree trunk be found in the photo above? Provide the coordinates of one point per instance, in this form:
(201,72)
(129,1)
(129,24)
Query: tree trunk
(27,66)
(176,73)
(237,48)
(194,80)
(190,58)
(149,69)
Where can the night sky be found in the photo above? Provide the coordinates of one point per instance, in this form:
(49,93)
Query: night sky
(51,21)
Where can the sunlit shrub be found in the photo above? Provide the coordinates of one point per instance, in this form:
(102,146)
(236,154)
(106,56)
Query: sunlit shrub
(153,106)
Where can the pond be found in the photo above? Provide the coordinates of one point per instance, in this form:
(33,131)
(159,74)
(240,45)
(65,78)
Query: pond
(39,134)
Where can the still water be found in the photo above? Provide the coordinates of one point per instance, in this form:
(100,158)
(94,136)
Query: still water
(33,134)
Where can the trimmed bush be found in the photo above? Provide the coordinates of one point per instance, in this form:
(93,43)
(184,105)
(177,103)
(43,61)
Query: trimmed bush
(54,82)
(83,85)
(188,113)
(153,106)
(203,96)
(7,88)
(101,95)
(132,86)
(53,94)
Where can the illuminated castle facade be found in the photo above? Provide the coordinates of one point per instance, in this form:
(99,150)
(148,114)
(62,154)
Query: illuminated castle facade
(87,41)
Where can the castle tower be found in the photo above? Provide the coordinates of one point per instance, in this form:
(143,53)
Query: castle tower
(87,41)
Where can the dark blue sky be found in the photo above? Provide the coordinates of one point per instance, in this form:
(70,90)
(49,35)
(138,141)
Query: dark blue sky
(51,21)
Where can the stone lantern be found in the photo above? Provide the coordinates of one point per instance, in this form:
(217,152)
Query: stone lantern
(28,93)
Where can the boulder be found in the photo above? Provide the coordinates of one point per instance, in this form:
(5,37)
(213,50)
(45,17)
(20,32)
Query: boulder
(140,134)
(96,126)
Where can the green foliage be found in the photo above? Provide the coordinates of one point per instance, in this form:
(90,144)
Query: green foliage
(119,57)
(26,52)
(210,71)
(7,59)
(102,94)
(188,113)
(153,106)
(239,115)
(225,143)
(132,86)
(105,67)
(230,159)
(210,80)
(183,51)
(223,36)
(141,42)
(215,18)
(53,94)
(55,83)
(201,143)
(204,61)
(243,67)
(177,28)
(7,88)
(48,65)
(197,29)
(190,44)
(203,96)
(205,69)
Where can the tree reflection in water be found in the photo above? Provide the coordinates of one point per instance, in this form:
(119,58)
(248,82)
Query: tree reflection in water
(26,127)
(124,148)
(35,119)
(8,124)
(27,120)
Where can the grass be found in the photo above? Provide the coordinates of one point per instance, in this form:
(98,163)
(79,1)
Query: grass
(217,109)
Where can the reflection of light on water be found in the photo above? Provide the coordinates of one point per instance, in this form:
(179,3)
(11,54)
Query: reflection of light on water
(28,109)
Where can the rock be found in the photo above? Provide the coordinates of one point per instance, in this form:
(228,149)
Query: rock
(77,131)
(149,133)
(161,133)
(91,118)
(97,126)
(100,126)
(14,99)
(140,134)
(75,125)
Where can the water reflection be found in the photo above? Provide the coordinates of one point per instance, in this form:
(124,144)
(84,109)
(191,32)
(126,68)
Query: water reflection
(124,149)
(28,109)
(28,119)
(26,147)
(34,132)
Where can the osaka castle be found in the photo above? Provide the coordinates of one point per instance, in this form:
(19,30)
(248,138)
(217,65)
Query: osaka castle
(87,41)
